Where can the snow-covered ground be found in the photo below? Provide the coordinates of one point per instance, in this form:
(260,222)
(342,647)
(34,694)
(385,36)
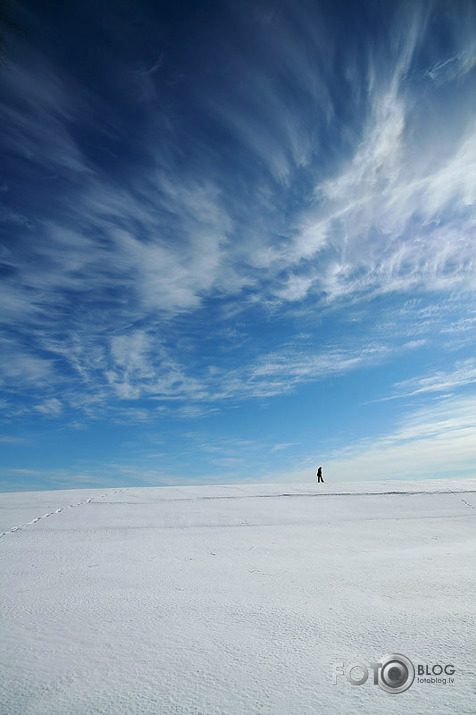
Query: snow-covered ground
(235,599)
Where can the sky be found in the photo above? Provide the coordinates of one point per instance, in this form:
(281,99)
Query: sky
(237,242)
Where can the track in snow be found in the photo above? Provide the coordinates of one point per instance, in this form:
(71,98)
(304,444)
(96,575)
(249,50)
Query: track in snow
(58,511)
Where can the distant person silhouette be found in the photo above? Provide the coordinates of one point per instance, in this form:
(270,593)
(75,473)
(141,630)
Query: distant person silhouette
(319,476)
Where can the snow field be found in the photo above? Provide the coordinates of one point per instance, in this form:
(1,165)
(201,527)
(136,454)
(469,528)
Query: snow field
(234,599)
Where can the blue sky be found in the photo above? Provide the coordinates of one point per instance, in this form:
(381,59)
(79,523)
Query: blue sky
(237,242)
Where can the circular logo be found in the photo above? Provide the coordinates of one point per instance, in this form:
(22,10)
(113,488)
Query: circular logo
(396,674)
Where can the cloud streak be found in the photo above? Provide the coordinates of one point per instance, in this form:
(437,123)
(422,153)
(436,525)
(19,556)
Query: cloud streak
(463,374)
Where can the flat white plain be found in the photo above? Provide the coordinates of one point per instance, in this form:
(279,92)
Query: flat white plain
(234,599)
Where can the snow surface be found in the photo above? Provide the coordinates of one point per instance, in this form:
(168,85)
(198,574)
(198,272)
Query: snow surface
(235,599)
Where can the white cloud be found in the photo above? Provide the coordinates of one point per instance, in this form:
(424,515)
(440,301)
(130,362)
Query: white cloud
(453,67)
(463,374)
(50,408)
(396,216)
(20,366)
(283,445)
(280,372)
(296,288)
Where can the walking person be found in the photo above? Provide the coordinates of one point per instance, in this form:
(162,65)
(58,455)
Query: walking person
(319,476)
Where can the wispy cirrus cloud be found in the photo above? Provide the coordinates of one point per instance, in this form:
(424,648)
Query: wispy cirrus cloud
(463,374)
(140,366)
(371,220)
(271,374)
(51,407)
(234,206)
